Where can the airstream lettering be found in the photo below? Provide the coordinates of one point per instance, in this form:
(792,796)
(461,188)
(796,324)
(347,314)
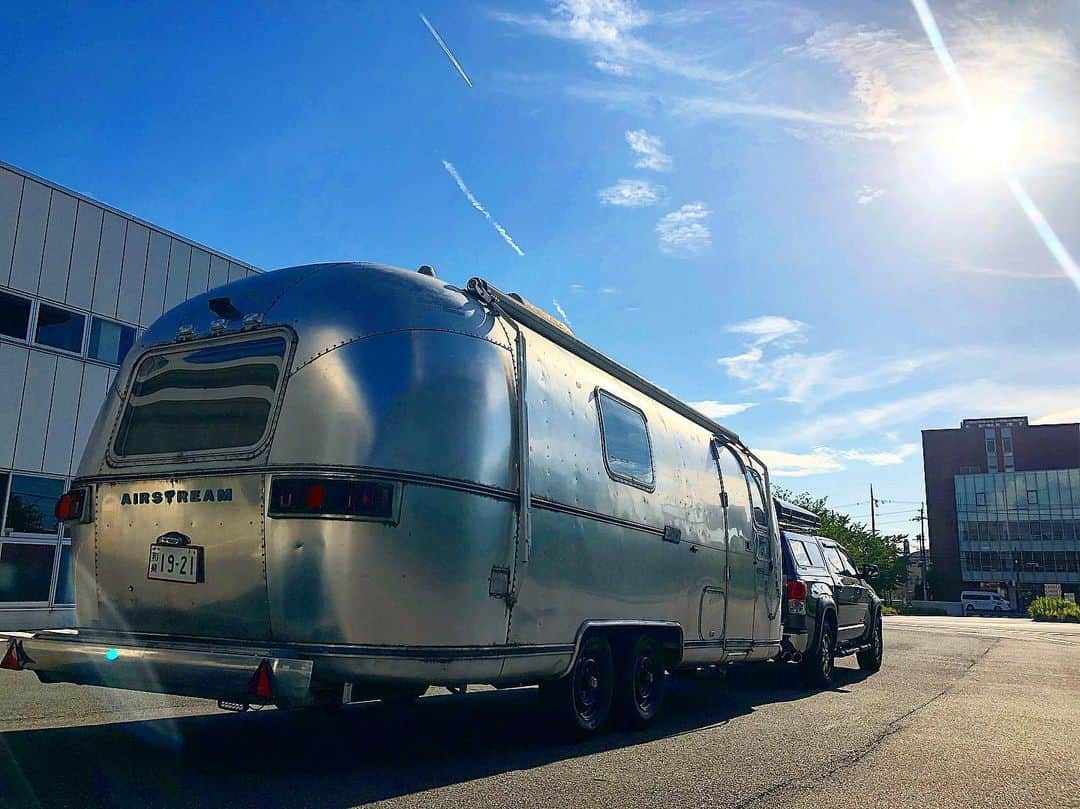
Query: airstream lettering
(365,480)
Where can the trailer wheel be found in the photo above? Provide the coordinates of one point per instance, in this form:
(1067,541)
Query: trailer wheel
(640,681)
(580,702)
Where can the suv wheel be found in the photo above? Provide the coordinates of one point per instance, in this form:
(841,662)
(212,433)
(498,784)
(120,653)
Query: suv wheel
(818,664)
(580,702)
(870,659)
(969,610)
(640,681)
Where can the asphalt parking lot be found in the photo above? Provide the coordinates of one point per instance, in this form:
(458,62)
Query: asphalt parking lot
(965,712)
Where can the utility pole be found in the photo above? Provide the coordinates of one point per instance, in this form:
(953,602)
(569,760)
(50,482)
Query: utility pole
(922,545)
(873,521)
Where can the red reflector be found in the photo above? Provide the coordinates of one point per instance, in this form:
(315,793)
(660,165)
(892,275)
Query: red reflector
(796,589)
(12,660)
(262,684)
(315,495)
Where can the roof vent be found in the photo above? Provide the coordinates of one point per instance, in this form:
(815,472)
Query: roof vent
(426,269)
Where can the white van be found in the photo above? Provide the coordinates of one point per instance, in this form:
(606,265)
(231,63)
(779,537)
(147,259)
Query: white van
(973,601)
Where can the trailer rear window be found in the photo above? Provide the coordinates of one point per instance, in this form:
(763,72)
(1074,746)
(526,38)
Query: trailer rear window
(627,451)
(200,399)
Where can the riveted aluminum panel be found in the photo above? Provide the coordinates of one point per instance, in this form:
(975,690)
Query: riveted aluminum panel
(198,273)
(176,283)
(63,413)
(109,263)
(423,581)
(84,253)
(34,421)
(427,402)
(157,268)
(230,601)
(132,273)
(10,196)
(59,237)
(13,361)
(219,272)
(30,237)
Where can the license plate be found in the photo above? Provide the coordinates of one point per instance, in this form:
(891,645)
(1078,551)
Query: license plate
(169,563)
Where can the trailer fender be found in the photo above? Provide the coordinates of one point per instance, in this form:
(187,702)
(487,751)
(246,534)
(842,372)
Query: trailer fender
(671,633)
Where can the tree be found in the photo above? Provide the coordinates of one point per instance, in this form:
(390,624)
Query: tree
(862,545)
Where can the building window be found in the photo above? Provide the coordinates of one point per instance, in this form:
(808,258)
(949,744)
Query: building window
(30,506)
(25,571)
(1006,444)
(109,342)
(1033,497)
(980,498)
(990,448)
(65,579)
(627,451)
(14,316)
(59,328)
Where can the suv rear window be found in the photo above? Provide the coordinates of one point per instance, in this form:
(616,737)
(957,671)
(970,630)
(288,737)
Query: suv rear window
(202,398)
(798,551)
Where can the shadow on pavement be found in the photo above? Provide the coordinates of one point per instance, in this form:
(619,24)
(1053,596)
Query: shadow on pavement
(362,753)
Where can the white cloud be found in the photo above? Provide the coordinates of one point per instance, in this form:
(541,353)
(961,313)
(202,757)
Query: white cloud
(685,232)
(771,328)
(632,194)
(608,29)
(650,150)
(608,291)
(476,204)
(1002,272)
(719,410)
(614,68)
(1060,417)
(947,404)
(822,460)
(867,194)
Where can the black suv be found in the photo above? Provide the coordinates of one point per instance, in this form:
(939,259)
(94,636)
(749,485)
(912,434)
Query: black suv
(829,610)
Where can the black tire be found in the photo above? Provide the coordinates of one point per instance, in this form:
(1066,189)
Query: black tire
(818,663)
(969,610)
(580,702)
(870,659)
(640,681)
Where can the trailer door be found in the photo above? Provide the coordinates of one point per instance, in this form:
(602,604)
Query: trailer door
(739,633)
(766,584)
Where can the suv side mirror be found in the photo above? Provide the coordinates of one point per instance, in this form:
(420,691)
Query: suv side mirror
(868,571)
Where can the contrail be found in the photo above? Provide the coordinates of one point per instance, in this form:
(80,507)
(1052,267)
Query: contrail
(562,312)
(1027,204)
(446,50)
(476,204)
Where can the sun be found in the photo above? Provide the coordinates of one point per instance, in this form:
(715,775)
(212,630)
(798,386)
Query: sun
(979,145)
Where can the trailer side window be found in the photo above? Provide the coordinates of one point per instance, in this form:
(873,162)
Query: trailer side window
(625,436)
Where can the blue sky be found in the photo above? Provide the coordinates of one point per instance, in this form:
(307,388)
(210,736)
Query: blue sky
(781,211)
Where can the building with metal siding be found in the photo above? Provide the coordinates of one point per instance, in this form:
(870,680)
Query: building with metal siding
(78,281)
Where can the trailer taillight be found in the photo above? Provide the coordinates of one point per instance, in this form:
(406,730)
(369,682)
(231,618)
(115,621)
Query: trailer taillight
(71,507)
(334,498)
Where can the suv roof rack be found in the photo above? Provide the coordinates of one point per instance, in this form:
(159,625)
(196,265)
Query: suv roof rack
(795,518)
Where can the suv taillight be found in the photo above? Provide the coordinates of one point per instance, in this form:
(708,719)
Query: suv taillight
(333,497)
(71,507)
(796,589)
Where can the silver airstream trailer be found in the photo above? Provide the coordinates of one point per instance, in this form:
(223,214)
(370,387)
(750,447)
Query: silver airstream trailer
(354,478)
